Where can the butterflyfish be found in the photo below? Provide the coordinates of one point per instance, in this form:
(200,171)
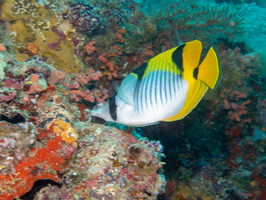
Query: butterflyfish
(165,88)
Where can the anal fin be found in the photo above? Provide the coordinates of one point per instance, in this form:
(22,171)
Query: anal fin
(193,97)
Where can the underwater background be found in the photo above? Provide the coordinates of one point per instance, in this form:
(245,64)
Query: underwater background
(59,59)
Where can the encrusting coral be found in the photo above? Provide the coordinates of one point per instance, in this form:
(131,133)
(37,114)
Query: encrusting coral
(110,164)
(36,27)
(50,137)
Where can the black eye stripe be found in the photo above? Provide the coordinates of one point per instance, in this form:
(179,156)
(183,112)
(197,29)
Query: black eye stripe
(113,107)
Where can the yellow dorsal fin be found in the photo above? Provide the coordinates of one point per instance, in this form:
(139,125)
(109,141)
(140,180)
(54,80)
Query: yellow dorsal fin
(191,54)
(194,95)
(209,69)
(162,62)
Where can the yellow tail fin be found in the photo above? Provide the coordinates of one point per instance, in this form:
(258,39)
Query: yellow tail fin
(209,69)
(207,76)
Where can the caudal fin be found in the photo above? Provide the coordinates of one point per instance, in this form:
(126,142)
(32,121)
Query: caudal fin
(199,76)
(209,71)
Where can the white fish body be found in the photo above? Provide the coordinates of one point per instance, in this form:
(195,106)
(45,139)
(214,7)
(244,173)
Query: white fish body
(166,88)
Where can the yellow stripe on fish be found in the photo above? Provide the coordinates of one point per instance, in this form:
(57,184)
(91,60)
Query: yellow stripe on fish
(163,59)
(165,88)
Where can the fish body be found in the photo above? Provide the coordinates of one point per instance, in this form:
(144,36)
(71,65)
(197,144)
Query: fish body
(165,88)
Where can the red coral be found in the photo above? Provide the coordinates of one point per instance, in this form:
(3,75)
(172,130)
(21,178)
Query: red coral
(45,160)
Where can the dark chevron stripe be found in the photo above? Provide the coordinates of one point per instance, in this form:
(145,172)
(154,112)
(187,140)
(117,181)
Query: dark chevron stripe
(178,81)
(164,88)
(144,93)
(156,90)
(176,78)
(167,89)
(139,97)
(157,87)
(136,96)
(160,86)
(151,88)
(172,86)
(173,81)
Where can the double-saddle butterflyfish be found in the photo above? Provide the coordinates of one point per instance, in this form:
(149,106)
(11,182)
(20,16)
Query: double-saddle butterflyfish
(165,88)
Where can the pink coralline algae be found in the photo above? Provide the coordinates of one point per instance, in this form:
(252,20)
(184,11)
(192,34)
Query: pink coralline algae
(90,47)
(78,87)
(237,91)
(36,83)
(56,77)
(13,83)
(38,76)
(7,96)
(236,110)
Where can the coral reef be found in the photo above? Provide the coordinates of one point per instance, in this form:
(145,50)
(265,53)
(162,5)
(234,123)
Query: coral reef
(15,142)
(42,153)
(58,59)
(110,164)
(46,137)
(93,17)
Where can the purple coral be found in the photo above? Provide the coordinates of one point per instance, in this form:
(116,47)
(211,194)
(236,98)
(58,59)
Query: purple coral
(83,16)
(88,18)
(5,97)
(61,36)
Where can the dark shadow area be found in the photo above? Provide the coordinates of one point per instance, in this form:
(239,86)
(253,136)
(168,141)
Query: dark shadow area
(14,120)
(38,185)
(191,142)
